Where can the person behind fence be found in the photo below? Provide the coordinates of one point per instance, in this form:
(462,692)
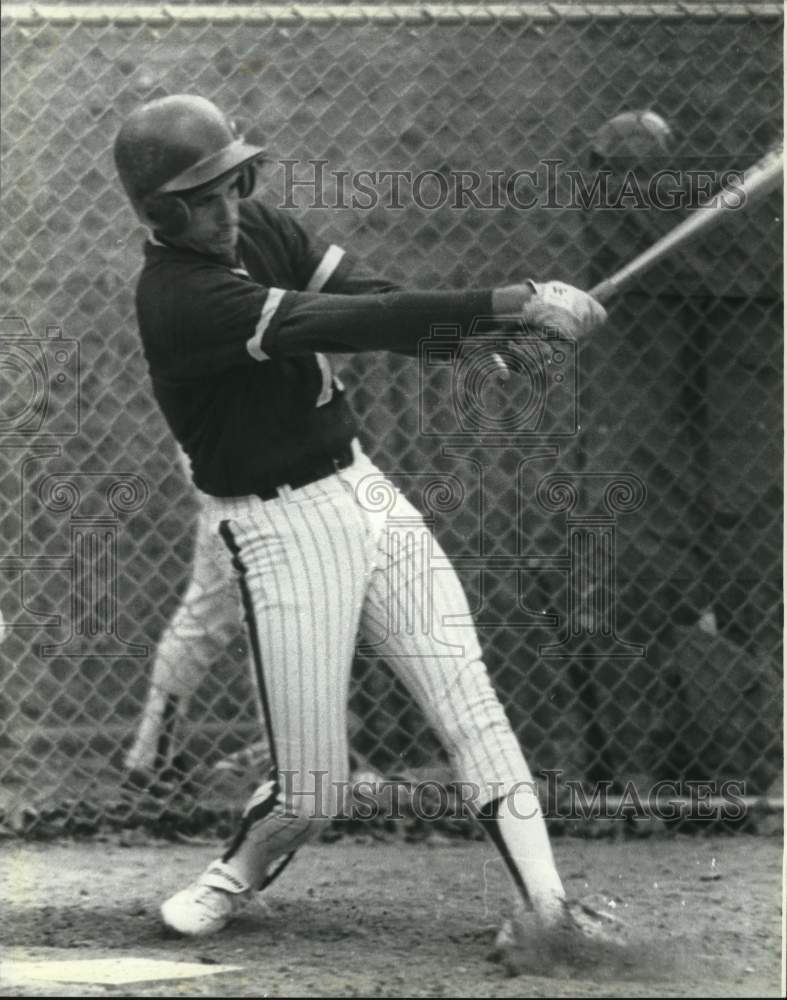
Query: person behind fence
(238,310)
(205,620)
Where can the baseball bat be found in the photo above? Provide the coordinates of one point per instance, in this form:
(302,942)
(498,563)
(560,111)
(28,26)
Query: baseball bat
(760,179)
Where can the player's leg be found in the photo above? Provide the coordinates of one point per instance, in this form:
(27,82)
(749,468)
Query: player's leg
(301,562)
(411,595)
(196,635)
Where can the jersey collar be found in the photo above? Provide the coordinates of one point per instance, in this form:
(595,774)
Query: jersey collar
(154,241)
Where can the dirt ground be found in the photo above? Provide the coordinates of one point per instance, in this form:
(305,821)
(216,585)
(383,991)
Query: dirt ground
(362,918)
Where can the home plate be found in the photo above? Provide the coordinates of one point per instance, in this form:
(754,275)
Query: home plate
(104,971)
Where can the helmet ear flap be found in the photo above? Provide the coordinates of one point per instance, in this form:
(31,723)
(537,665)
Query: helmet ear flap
(247,178)
(168,213)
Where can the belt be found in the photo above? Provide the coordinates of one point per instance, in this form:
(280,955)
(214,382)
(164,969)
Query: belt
(319,469)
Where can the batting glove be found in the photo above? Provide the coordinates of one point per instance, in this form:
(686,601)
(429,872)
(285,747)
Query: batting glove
(557,306)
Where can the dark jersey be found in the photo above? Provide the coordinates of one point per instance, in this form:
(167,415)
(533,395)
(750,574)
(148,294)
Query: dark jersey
(235,353)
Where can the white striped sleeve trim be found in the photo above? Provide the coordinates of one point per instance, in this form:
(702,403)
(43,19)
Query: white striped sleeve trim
(325,268)
(254,343)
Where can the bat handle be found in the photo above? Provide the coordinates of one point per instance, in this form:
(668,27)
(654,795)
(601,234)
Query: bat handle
(604,291)
(503,371)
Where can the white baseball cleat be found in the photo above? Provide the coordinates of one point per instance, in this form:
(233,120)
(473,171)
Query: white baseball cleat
(580,935)
(200,910)
(592,923)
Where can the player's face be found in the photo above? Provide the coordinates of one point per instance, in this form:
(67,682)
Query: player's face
(213,221)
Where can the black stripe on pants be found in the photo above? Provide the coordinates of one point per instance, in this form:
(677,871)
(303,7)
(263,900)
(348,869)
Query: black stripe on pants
(260,811)
(488,818)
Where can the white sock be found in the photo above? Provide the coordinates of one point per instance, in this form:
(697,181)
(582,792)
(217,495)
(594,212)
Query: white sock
(520,834)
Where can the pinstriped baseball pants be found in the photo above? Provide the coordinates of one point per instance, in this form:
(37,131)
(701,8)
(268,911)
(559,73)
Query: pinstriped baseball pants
(319,566)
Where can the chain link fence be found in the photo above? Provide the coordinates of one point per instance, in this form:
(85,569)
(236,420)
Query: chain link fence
(625,575)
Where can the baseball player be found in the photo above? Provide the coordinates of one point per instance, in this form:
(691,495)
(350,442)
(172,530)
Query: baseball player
(238,311)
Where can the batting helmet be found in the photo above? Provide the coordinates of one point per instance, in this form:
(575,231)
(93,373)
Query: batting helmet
(632,138)
(175,145)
